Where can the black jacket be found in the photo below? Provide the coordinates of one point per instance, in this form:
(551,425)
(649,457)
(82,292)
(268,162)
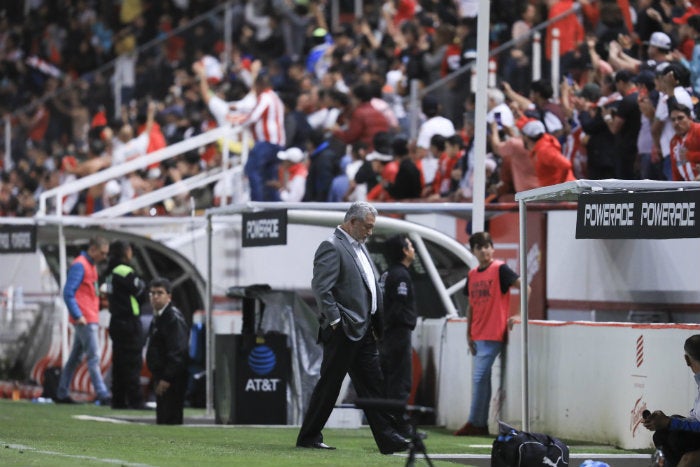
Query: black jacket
(407,184)
(399,298)
(125,292)
(168,345)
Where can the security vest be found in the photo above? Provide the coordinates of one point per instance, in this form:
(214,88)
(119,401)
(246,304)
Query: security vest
(122,304)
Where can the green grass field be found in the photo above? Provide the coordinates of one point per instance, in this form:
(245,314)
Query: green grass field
(49,435)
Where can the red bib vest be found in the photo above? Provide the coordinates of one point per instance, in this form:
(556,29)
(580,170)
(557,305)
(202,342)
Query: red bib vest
(490,307)
(87,294)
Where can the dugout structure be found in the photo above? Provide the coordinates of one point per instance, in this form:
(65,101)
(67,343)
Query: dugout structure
(609,209)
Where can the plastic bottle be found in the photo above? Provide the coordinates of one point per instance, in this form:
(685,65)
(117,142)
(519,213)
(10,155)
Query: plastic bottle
(42,400)
(658,459)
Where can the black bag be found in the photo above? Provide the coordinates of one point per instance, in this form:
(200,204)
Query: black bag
(51,377)
(513,448)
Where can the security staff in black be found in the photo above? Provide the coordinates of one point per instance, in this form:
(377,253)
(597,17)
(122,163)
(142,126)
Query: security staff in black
(396,351)
(125,292)
(167,354)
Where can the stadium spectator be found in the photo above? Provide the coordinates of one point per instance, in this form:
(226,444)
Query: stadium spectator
(429,164)
(355,191)
(658,51)
(550,164)
(650,162)
(539,105)
(340,185)
(571,32)
(498,109)
(693,26)
(671,82)
(435,124)
(516,68)
(324,160)
(448,175)
(624,121)
(292,175)
(598,140)
(407,184)
(364,121)
(517,172)
(126,148)
(384,167)
(685,144)
(267,120)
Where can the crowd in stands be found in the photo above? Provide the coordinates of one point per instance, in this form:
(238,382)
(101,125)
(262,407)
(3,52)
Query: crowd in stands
(327,106)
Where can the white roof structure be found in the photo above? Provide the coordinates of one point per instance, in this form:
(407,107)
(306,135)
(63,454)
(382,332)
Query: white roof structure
(569,191)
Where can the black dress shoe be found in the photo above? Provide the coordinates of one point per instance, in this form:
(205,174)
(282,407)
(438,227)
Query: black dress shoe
(64,400)
(315,445)
(395,443)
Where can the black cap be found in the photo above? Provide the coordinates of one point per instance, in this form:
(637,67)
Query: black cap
(429,103)
(623,75)
(645,77)
(590,92)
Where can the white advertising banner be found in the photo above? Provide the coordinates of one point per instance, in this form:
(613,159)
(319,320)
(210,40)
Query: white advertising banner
(588,381)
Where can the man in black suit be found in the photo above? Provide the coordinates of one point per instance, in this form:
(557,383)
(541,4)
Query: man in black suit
(167,354)
(350,316)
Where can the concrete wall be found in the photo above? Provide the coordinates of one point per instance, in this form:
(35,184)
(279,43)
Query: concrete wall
(588,381)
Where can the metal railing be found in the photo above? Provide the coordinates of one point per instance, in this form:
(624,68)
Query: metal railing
(221,133)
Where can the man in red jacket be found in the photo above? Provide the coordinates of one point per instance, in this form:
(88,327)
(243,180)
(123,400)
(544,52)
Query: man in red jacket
(550,164)
(364,122)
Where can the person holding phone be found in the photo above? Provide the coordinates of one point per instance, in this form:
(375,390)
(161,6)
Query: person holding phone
(679,437)
(498,110)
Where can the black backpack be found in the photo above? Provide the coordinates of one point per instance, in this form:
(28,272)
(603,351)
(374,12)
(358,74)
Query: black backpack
(514,448)
(51,377)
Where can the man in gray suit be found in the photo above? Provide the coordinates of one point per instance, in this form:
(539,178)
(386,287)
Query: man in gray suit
(350,315)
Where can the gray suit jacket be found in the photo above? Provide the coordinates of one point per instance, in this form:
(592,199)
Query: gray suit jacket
(342,291)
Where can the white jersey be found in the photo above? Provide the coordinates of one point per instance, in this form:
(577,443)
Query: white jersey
(435,126)
(131,149)
(268,118)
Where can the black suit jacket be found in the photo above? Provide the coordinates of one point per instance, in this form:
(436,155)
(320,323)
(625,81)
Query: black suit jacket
(167,354)
(342,289)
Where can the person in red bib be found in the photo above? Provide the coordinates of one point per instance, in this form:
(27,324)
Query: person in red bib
(488,288)
(81,294)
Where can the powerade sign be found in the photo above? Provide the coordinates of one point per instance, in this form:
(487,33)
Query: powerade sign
(668,214)
(17,238)
(265,228)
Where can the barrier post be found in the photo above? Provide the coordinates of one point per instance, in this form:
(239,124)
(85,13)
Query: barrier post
(555,63)
(536,56)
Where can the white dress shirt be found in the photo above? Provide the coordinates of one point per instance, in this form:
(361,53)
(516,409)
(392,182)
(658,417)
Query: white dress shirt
(366,267)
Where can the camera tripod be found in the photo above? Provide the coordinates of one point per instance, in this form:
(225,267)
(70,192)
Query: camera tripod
(416,445)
